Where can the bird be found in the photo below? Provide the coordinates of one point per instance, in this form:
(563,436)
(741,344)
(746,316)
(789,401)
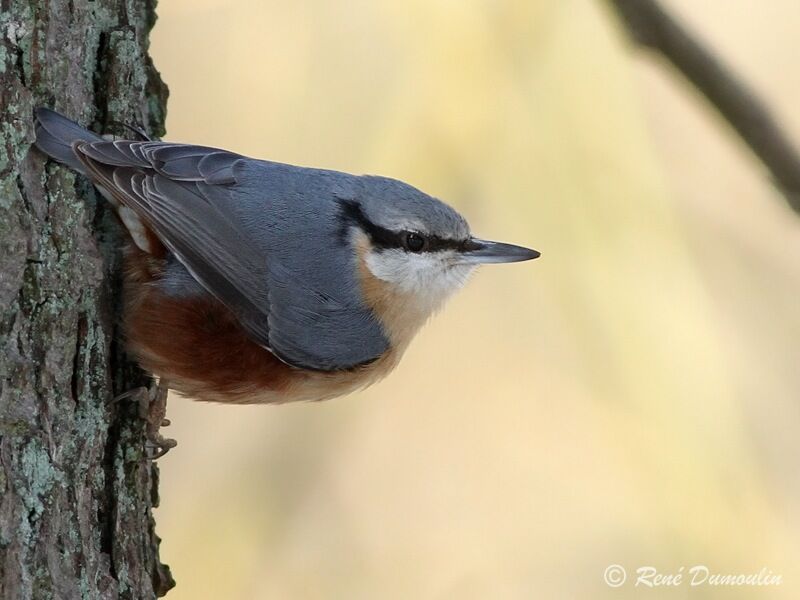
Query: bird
(251,281)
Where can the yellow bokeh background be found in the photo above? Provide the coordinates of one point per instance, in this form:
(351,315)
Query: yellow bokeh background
(632,397)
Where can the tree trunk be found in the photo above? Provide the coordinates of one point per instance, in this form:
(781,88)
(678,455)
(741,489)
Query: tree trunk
(77,487)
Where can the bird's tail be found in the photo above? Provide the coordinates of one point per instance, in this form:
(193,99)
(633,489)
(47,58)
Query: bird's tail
(55,135)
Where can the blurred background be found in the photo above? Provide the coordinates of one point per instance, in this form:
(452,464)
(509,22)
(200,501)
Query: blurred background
(632,397)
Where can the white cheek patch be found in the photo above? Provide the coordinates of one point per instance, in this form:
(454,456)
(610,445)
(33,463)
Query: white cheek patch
(428,276)
(405,270)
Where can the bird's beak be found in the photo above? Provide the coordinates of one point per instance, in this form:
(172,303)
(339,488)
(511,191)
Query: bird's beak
(478,252)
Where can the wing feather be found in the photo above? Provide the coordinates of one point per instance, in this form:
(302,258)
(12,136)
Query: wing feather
(212,248)
(184,194)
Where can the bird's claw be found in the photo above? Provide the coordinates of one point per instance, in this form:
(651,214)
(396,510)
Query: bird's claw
(152,409)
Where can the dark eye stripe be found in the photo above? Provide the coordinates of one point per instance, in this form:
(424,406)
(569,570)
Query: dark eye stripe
(437,243)
(385,238)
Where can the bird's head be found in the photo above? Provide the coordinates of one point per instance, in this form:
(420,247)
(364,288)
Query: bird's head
(419,248)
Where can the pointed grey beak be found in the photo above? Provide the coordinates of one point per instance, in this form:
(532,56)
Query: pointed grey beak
(480,252)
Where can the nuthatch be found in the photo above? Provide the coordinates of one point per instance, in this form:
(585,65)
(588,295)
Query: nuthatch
(253,281)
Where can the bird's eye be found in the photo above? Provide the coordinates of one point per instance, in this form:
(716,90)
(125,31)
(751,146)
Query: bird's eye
(414,242)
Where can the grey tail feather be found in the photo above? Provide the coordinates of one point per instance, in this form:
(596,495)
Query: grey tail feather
(55,135)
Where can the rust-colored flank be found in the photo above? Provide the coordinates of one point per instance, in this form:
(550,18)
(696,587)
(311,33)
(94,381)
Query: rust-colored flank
(199,348)
(194,343)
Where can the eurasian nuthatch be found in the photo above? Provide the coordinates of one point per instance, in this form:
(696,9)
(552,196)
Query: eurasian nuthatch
(254,281)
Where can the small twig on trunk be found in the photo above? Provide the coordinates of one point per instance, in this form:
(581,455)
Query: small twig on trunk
(652,27)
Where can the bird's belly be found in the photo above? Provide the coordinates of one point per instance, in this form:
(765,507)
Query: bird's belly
(196,345)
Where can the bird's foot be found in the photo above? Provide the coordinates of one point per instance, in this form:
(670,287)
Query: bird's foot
(152,408)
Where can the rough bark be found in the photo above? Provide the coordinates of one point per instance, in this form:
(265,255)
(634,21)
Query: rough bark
(77,490)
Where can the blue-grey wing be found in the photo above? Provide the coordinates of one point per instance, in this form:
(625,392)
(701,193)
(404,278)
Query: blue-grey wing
(187,195)
(318,331)
(163,184)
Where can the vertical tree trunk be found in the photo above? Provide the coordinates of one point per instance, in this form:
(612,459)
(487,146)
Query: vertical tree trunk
(76,488)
